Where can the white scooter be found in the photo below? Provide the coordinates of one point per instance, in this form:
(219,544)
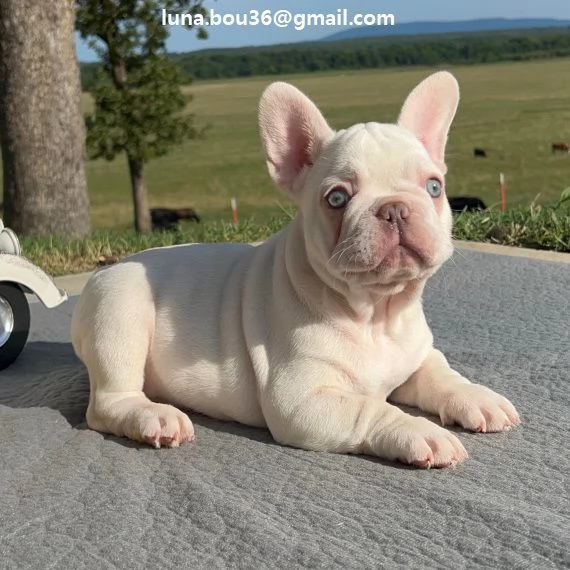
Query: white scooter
(18,276)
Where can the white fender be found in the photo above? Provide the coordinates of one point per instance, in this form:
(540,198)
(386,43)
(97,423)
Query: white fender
(22,272)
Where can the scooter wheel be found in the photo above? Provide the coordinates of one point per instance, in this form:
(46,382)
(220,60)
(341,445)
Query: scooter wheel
(14,323)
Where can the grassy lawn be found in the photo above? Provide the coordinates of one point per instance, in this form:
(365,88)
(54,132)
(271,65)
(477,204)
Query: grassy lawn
(514,111)
(537,226)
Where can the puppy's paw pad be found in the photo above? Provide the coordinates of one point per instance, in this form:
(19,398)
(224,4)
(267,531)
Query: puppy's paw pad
(479,409)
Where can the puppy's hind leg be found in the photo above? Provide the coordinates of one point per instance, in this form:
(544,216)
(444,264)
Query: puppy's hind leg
(111,331)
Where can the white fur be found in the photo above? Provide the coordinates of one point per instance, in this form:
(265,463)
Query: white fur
(311,332)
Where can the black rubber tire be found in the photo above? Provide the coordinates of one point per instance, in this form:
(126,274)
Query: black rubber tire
(16,298)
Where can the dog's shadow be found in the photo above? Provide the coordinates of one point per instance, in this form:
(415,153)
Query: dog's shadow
(64,387)
(47,374)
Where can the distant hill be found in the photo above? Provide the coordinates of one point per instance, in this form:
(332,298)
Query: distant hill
(428,50)
(424,28)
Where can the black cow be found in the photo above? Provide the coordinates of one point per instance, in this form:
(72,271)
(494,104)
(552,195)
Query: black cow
(166,219)
(479,152)
(463,203)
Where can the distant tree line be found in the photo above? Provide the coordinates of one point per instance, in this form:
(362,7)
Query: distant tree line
(364,54)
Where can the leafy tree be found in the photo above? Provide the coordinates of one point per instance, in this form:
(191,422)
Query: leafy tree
(139,104)
(42,132)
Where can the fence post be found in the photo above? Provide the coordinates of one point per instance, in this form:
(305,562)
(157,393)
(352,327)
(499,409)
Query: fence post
(503,192)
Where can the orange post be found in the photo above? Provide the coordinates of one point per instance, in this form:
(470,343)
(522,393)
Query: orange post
(235,211)
(503,192)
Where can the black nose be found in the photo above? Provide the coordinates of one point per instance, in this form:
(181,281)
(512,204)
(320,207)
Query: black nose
(394,212)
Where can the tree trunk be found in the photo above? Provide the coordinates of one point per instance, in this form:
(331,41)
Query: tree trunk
(143,223)
(140,196)
(42,130)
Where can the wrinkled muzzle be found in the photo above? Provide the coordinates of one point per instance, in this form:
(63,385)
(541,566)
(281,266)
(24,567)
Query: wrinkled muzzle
(397,240)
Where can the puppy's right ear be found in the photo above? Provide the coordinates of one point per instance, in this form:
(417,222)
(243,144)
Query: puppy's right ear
(293,131)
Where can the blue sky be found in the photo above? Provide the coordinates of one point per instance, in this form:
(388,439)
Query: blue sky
(403,10)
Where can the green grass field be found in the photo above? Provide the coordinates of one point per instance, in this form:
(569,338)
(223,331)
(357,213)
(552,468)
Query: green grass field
(514,111)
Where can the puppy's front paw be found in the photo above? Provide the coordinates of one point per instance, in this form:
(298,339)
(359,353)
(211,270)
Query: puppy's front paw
(479,409)
(134,416)
(162,424)
(158,425)
(418,441)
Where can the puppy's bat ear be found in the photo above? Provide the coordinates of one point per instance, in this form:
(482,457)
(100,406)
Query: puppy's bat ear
(429,111)
(293,131)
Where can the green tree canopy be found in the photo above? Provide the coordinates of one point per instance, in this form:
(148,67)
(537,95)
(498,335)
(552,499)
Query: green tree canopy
(139,106)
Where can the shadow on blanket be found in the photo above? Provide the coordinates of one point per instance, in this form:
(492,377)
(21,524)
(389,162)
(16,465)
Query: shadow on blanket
(65,388)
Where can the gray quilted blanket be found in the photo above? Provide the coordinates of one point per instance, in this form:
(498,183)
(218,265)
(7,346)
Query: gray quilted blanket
(72,498)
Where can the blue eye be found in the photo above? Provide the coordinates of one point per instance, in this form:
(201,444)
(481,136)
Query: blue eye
(338,198)
(434,188)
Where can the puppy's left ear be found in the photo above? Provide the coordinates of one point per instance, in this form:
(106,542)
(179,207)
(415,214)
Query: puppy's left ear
(429,111)
(293,132)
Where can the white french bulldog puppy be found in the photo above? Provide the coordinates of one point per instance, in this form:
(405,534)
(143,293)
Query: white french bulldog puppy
(310,333)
